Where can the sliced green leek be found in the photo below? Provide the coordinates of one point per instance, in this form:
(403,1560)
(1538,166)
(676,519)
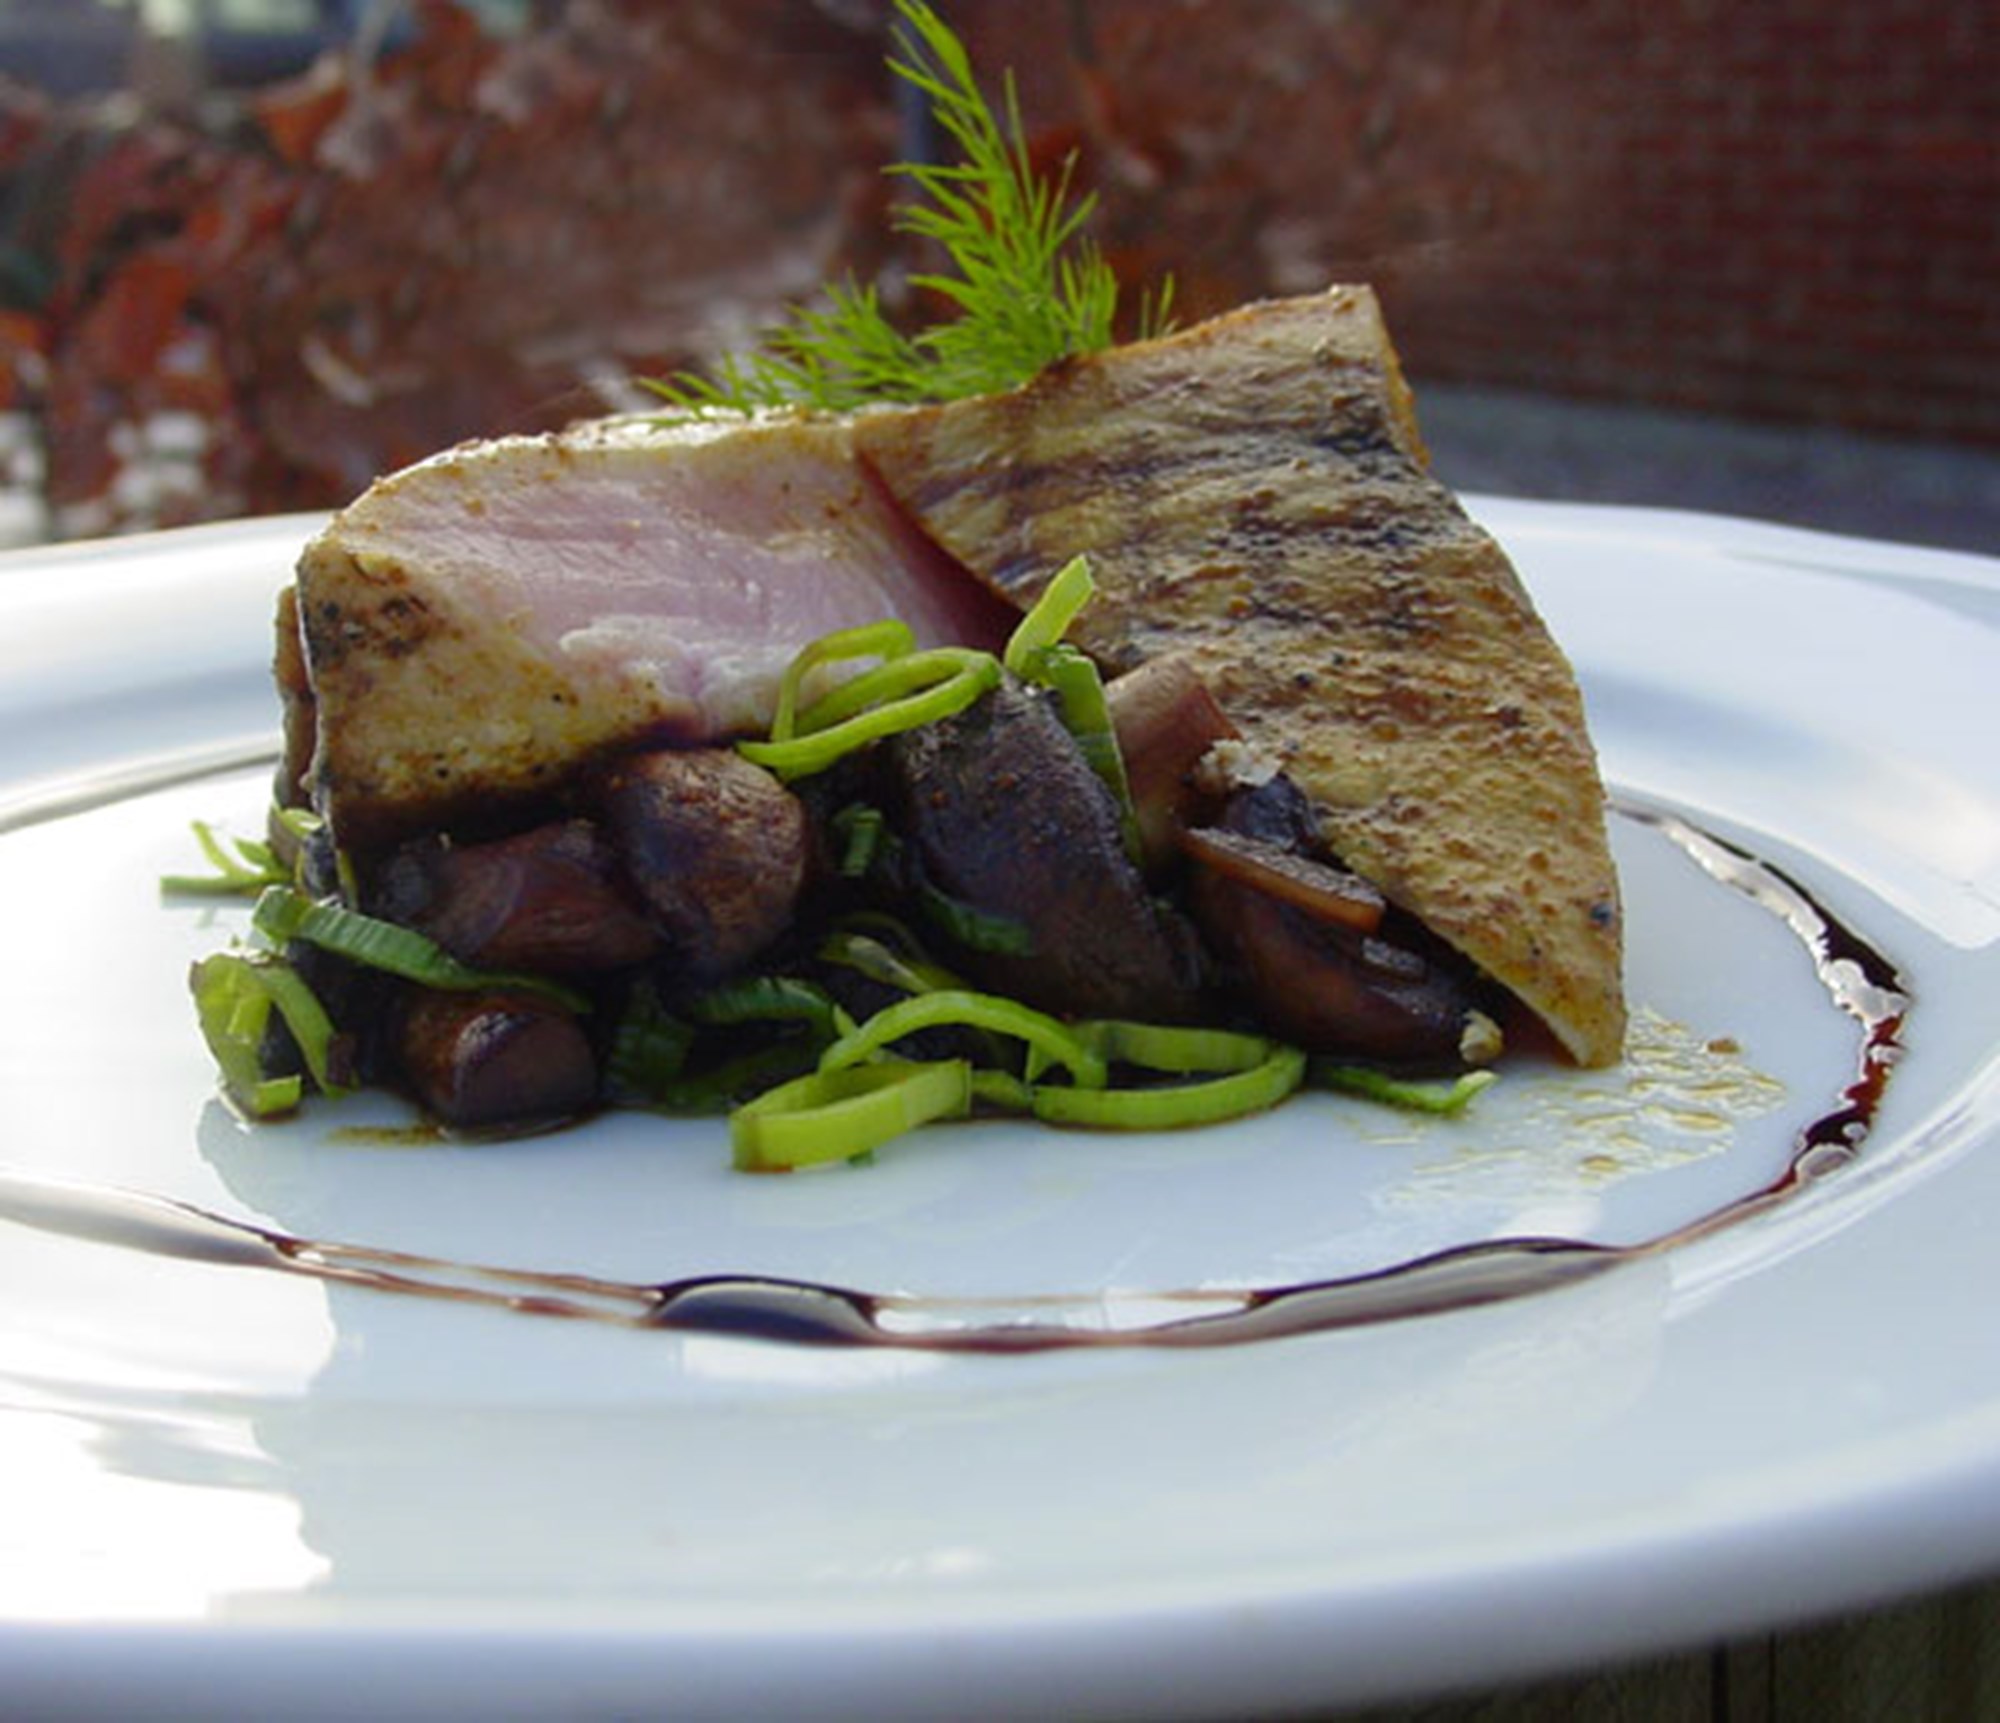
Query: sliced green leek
(652,1052)
(1172,1047)
(303,824)
(235,994)
(1048,618)
(1086,714)
(1444,1096)
(242,866)
(1001,1091)
(311,1028)
(283,914)
(895,679)
(846,1113)
(1036,652)
(887,639)
(863,835)
(772,999)
(716,1088)
(648,1048)
(853,947)
(972,927)
(1173,1106)
(1239,1074)
(1048,1038)
(917,688)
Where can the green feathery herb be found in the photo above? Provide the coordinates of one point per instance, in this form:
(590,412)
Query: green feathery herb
(1027,283)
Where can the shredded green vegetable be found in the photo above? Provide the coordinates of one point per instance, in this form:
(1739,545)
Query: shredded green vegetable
(1086,714)
(975,929)
(243,866)
(910,678)
(1175,1047)
(1047,620)
(772,999)
(648,1049)
(702,1091)
(888,639)
(901,964)
(913,689)
(1445,1096)
(1240,1074)
(235,994)
(1048,1036)
(1174,1106)
(863,835)
(669,1060)
(845,1113)
(283,914)
(835,1114)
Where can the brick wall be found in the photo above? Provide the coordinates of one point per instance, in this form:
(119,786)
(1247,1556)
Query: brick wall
(1776,208)
(1789,208)
(1773,208)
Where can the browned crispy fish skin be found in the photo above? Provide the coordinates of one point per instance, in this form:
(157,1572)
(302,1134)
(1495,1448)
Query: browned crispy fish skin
(1253,492)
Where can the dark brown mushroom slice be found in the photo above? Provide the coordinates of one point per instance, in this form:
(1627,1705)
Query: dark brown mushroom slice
(494,1060)
(1312,947)
(548,900)
(1332,991)
(1166,721)
(717,849)
(1324,893)
(1002,817)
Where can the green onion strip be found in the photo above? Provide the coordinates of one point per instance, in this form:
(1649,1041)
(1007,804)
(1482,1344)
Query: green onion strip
(1174,1048)
(863,835)
(1049,617)
(844,1114)
(1173,1106)
(648,1047)
(772,999)
(888,640)
(283,914)
(1445,1096)
(859,1099)
(1086,715)
(1240,1074)
(251,867)
(1036,652)
(234,997)
(1047,1037)
(233,1011)
(650,1059)
(916,688)
(853,947)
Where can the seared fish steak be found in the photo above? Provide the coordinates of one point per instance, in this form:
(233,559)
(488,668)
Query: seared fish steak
(1253,494)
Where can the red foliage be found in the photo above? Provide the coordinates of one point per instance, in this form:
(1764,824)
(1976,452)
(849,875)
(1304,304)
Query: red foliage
(472,240)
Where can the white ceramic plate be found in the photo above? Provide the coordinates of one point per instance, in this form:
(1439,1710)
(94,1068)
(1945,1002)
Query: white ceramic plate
(233,1488)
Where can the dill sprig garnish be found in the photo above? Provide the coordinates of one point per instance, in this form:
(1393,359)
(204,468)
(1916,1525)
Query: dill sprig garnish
(1026,282)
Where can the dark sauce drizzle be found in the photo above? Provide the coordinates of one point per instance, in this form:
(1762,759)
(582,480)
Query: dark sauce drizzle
(1858,980)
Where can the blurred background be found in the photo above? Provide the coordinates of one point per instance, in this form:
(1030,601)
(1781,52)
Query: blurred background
(1679,252)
